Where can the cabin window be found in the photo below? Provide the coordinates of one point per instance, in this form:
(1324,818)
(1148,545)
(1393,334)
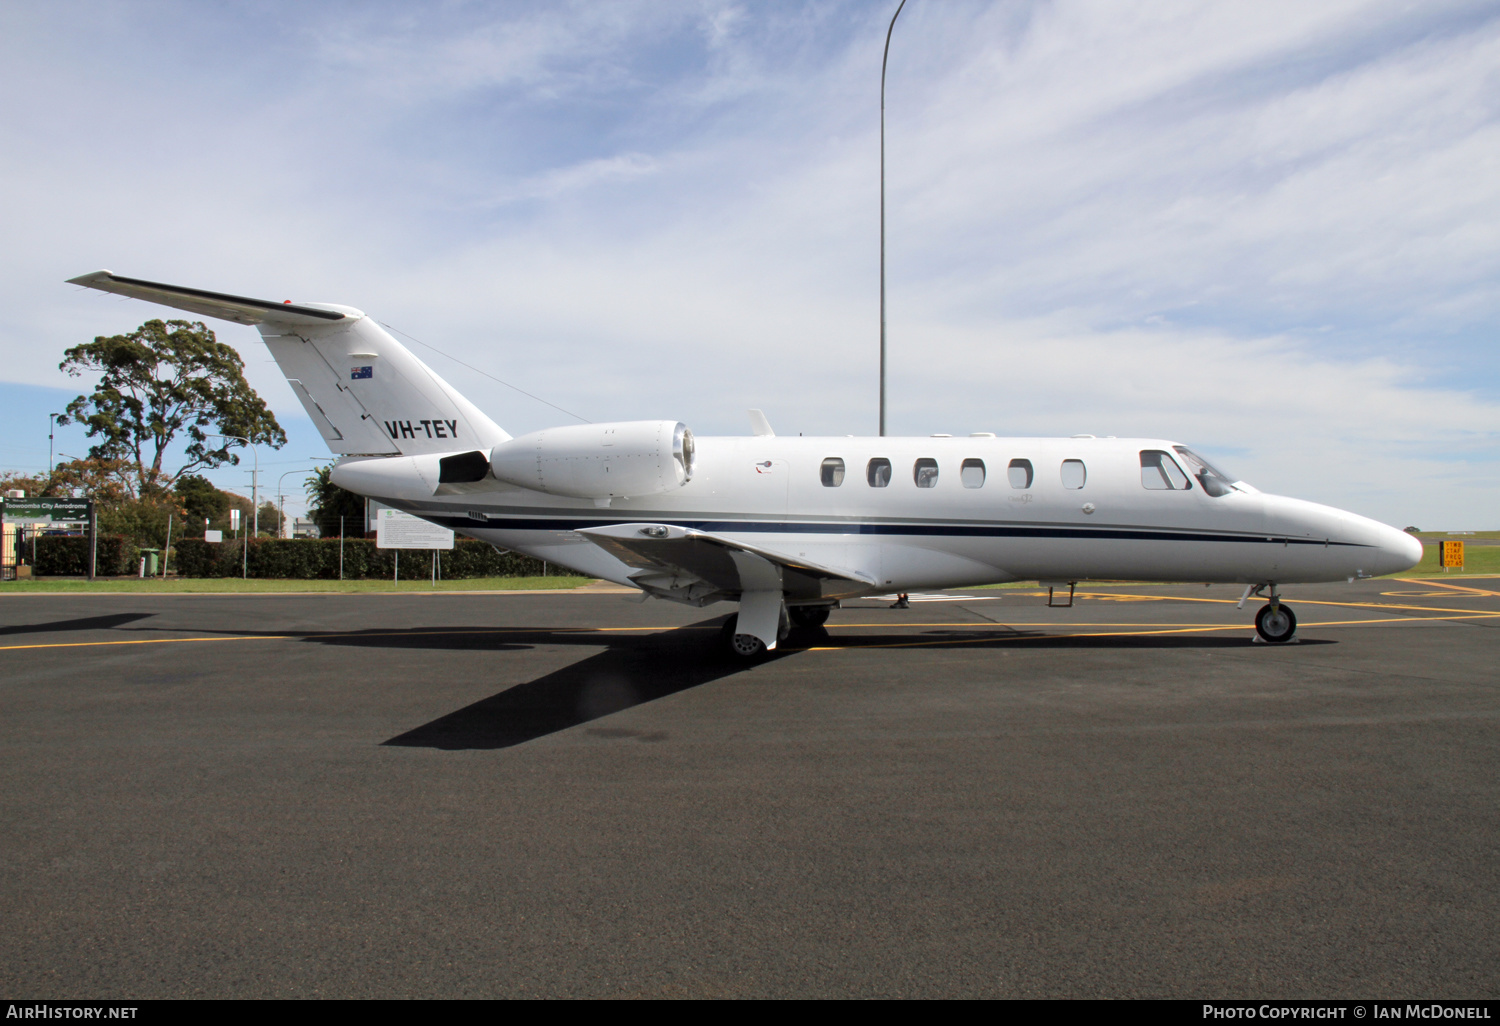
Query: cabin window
(971,474)
(1073,474)
(1019,473)
(833,472)
(925,473)
(878,473)
(1160,473)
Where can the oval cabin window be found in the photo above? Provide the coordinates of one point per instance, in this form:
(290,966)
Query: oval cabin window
(972,473)
(1073,474)
(833,472)
(878,472)
(1019,473)
(925,473)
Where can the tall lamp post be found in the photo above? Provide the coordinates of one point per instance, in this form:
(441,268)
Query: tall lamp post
(51,427)
(883,60)
(254,494)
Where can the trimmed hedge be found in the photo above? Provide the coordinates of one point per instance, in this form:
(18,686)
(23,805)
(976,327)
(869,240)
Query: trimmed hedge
(68,556)
(318,559)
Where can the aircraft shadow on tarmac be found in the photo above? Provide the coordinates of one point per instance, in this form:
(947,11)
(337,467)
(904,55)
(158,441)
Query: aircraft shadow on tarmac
(632,670)
(85,623)
(639,667)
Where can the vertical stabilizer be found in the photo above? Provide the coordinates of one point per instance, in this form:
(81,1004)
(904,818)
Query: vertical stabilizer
(369,395)
(366,392)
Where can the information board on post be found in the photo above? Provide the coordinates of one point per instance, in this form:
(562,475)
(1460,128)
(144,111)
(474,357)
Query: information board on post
(397,530)
(47,512)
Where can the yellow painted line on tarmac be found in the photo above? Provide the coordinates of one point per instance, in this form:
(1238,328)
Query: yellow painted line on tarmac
(1461,588)
(1019,624)
(1202,628)
(1310,602)
(321,637)
(145,641)
(977,628)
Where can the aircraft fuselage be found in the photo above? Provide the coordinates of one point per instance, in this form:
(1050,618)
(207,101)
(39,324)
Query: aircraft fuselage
(1076,510)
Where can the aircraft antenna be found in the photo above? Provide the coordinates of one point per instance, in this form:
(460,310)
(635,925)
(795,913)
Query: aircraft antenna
(487,374)
(883,60)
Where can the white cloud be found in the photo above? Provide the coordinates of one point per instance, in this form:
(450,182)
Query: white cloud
(1266,229)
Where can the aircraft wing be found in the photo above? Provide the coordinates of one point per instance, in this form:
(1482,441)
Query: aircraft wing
(210,304)
(683,563)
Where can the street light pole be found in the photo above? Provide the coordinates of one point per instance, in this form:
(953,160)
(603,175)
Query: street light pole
(883,60)
(51,426)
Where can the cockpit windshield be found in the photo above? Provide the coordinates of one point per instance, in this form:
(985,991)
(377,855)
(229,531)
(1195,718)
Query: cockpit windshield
(1214,481)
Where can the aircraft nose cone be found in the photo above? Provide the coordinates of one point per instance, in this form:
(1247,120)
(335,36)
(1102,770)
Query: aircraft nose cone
(1398,551)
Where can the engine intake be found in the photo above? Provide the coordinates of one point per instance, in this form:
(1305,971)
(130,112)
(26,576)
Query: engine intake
(599,461)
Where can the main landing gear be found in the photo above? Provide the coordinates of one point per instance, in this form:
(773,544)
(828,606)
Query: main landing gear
(749,647)
(1275,623)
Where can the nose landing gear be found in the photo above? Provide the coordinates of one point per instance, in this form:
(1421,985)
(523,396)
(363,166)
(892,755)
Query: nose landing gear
(1275,623)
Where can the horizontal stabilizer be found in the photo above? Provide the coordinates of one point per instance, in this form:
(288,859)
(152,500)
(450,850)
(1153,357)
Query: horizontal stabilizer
(725,566)
(210,304)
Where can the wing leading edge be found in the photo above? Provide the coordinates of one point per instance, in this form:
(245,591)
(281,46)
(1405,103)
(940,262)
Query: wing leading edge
(242,309)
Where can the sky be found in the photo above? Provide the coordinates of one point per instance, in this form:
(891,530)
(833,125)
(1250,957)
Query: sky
(1270,231)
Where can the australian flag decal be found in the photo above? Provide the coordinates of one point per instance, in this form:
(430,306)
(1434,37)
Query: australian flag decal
(356,373)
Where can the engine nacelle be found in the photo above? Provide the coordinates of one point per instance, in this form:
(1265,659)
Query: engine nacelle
(599,461)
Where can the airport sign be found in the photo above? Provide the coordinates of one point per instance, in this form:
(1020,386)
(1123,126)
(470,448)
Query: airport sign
(43,512)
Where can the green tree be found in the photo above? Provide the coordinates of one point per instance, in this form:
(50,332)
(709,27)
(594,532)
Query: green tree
(203,505)
(162,380)
(34,486)
(328,504)
(270,520)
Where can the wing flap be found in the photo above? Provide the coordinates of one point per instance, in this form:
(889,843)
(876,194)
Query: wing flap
(666,552)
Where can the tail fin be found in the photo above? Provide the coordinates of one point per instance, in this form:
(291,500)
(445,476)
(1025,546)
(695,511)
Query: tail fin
(366,392)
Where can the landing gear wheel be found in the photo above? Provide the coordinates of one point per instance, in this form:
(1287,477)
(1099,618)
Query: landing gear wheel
(741,646)
(1276,624)
(810,616)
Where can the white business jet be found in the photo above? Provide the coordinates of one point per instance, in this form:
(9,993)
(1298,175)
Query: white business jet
(787,527)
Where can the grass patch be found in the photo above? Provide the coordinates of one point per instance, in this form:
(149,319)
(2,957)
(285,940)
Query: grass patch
(254,586)
(1478,559)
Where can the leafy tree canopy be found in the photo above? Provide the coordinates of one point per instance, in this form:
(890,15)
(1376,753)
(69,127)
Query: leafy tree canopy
(206,507)
(328,503)
(34,486)
(162,380)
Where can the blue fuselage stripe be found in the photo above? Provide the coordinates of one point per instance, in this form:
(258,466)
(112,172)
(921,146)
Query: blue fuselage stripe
(506,523)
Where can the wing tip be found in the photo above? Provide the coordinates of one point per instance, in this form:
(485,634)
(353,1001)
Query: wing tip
(91,278)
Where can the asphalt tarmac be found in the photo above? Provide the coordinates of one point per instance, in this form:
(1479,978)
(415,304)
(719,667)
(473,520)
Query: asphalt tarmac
(568,794)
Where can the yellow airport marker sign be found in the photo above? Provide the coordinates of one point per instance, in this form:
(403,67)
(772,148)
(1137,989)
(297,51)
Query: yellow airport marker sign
(1450,555)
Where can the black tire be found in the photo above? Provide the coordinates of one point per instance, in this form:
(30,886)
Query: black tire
(1276,626)
(810,616)
(745,647)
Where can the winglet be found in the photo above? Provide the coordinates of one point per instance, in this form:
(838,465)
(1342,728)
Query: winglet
(760,426)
